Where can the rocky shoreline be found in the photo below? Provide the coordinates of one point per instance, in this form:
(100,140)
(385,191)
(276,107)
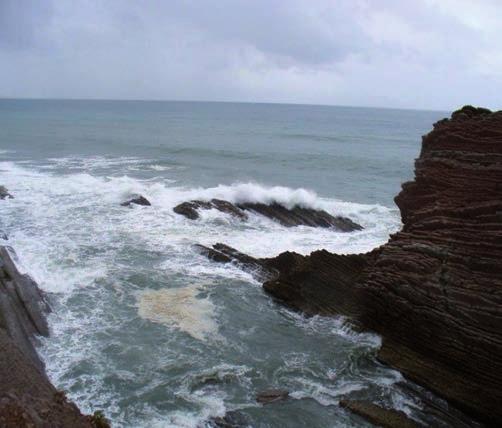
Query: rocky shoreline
(434,291)
(27,397)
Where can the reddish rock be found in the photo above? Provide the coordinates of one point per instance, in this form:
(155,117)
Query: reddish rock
(434,291)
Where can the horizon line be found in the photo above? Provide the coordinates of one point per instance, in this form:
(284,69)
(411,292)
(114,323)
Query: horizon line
(2,98)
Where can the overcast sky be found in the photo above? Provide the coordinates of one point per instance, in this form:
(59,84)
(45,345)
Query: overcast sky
(431,54)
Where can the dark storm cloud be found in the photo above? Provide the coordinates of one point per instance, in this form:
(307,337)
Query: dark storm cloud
(423,53)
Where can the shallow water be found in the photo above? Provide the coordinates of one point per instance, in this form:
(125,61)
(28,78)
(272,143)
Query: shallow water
(144,327)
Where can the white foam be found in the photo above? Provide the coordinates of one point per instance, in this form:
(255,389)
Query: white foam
(71,232)
(180,307)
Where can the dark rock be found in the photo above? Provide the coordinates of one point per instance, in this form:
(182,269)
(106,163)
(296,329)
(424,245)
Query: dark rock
(212,254)
(296,216)
(140,200)
(434,291)
(222,253)
(22,306)
(299,216)
(232,419)
(379,416)
(27,398)
(190,209)
(467,112)
(229,208)
(321,283)
(272,396)
(4,193)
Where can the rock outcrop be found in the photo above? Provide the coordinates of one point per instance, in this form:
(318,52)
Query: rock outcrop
(434,291)
(379,416)
(289,217)
(27,398)
(4,193)
(139,200)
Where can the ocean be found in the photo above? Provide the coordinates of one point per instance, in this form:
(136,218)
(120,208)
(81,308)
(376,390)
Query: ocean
(146,329)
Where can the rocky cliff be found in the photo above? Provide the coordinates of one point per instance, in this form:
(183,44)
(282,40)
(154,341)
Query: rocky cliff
(434,291)
(27,398)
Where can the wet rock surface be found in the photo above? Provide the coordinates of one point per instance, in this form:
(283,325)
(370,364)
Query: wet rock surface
(299,216)
(379,416)
(434,291)
(27,398)
(272,396)
(140,200)
(289,217)
(4,193)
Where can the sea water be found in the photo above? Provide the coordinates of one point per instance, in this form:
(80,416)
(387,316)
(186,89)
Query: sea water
(146,329)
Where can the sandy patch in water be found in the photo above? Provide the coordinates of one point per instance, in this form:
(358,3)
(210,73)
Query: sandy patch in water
(180,307)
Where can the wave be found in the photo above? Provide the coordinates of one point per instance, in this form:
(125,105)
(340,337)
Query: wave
(69,227)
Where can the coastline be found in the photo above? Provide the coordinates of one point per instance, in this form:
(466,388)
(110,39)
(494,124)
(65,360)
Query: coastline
(433,291)
(28,398)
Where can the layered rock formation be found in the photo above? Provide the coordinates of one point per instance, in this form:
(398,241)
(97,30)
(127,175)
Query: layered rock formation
(289,217)
(27,398)
(434,291)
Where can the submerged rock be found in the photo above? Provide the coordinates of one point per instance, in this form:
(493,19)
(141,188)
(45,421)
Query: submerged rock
(232,419)
(433,292)
(379,416)
(140,200)
(272,396)
(4,193)
(289,217)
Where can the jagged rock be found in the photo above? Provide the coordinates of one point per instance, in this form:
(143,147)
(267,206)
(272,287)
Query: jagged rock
(22,305)
(229,208)
(140,200)
(299,216)
(296,216)
(379,416)
(190,209)
(320,284)
(232,419)
(434,291)
(222,253)
(4,193)
(213,254)
(27,398)
(272,396)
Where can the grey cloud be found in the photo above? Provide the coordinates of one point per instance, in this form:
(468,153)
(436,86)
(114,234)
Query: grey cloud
(424,54)
(21,22)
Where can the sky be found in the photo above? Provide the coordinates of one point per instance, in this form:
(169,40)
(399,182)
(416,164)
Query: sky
(424,54)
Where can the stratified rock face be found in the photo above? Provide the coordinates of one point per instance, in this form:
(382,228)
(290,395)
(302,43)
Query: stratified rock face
(289,217)
(27,398)
(386,418)
(299,216)
(434,291)
(22,306)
